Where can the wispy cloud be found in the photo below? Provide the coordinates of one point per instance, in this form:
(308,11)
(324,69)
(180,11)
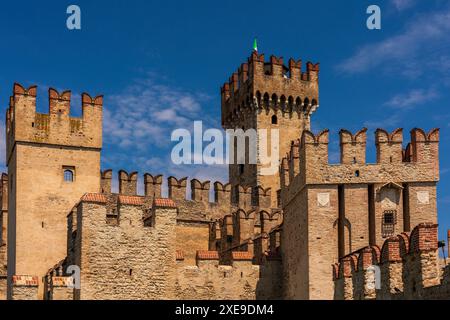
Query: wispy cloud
(420,47)
(138,123)
(391,121)
(412,98)
(146,112)
(402,5)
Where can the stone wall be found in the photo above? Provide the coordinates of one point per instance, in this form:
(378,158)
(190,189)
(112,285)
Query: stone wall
(238,280)
(126,252)
(3,286)
(210,281)
(332,209)
(40,149)
(408,267)
(25,288)
(61,288)
(269,96)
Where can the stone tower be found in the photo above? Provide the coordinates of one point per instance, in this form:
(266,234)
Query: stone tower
(269,95)
(53,159)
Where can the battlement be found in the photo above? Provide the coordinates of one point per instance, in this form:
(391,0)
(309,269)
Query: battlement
(255,231)
(407,265)
(244,197)
(258,84)
(24,124)
(307,161)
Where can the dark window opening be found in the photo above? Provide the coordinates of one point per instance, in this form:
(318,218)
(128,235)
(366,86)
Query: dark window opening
(131,272)
(241,169)
(32,124)
(357,174)
(274,120)
(354,160)
(388,223)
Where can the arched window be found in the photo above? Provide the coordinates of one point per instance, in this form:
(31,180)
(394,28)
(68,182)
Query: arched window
(274,119)
(68,175)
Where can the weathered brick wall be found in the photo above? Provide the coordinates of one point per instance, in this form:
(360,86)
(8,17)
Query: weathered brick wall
(296,256)
(364,194)
(270,284)
(210,281)
(322,236)
(265,96)
(409,269)
(45,145)
(191,237)
(25,288)
(355,217)
(125,259)
(61,289)
(3,286)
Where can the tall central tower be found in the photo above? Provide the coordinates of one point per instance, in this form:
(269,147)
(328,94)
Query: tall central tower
(269,95)
(53,159)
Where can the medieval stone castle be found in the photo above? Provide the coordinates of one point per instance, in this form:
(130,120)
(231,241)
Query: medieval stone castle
(314,230)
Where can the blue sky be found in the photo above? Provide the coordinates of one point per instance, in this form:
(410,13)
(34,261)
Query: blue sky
(160,66)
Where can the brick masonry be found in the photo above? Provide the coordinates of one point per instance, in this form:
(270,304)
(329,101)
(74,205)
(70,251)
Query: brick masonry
(259,237)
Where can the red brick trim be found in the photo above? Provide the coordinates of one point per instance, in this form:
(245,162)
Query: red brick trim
(207,255)
(241,256)
(62,281)
(164,203)
(131,200)
(25,281)
(424,237)
(94,198)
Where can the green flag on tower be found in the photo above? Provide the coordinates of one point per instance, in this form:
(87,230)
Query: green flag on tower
(255,45)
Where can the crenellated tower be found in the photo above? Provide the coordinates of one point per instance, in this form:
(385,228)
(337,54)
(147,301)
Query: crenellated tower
(53,159)
(269,95)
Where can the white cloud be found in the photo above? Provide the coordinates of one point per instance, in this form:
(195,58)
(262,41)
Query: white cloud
(391,121)
(402,5)
(137,129)
(412,52)
(412,98)
(146,112)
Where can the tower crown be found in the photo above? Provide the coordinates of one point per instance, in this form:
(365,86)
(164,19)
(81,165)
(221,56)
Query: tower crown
(56,127)
(260,84)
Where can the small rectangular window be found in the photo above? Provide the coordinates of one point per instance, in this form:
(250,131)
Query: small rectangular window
(388,223)
(69,174)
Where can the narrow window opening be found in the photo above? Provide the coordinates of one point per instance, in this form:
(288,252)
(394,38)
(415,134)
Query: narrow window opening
(32,124)
(131,272)
(241,169)
(354,160)
(274,120)
(389,222)
(357,174)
